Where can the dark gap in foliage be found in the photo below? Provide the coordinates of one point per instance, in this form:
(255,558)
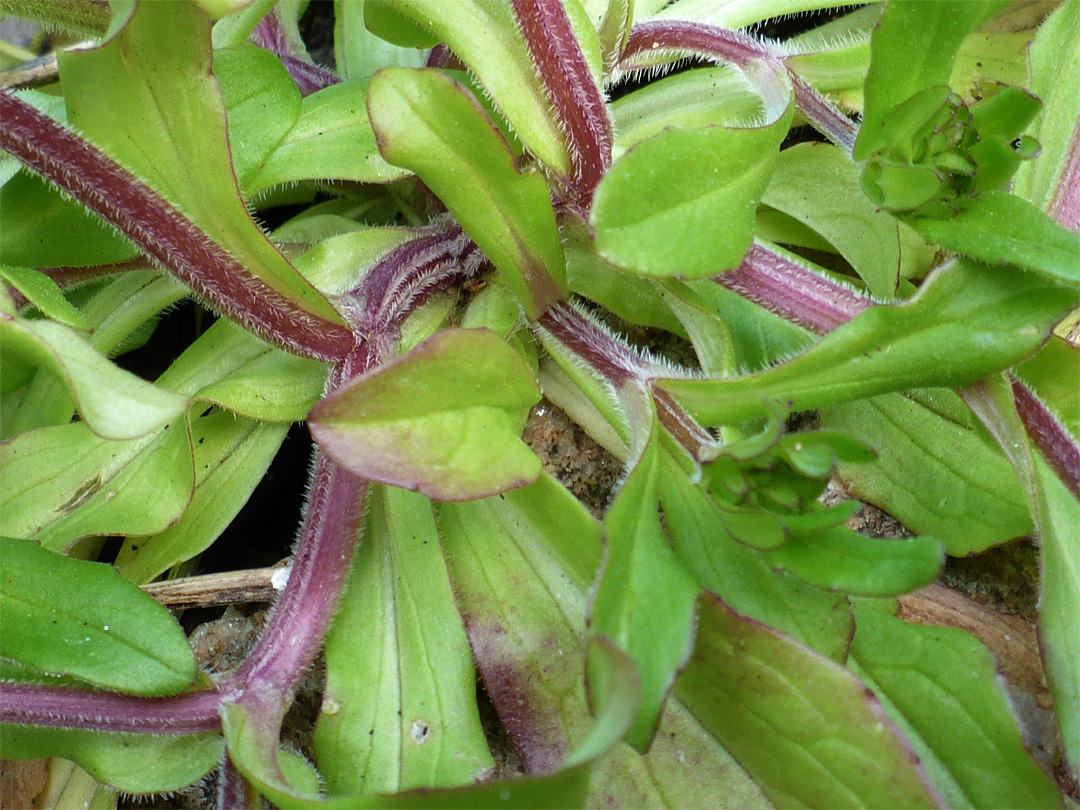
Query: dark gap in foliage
(262,533)
(175,331)
(317,29)
(792,25)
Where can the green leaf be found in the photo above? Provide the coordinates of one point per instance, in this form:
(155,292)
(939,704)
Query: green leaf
(967,321)
(43,293)
(819,185)
(62,483)
(332,140)
(486,37)
(741,575)
(934,472)
(262,103)
(1059,600)
(444,419)
(71,617)
(521,566)
(399,711)
(838,558)
(565,787)
(1000,228)
(134,763)
(942,688)
(1050,373)
(806,729)
(645,600)
(1054,53)
(179,148)
(231,457)
(358,52)
(33,213)
(913,48)
(430,124)
(387,23)
(114,403)
(681,203)
(704,97)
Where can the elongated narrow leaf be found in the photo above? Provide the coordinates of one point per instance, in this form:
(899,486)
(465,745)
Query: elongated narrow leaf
(1055,52)
(444,420)
(807,730)
(332,140)
(71,617)
(63,483)
(1059,601)
(841,559)
(565,787)
(43,293)
(180,150)
(941,687)
(485,36)
(934,472)
(681,203)
(400,698)
(231,457)
(1000,228)
(645,599)
(913,48)
(966,322)
(428,123)
(521,567)
(113,403)
(134,763)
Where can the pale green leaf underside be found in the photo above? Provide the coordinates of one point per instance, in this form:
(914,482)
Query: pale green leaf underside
(71,617)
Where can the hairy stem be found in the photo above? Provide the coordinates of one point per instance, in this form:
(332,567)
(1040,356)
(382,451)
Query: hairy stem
(306,75)
(163,233)
(574,94)
(679,38)
(33,704)
(793,292)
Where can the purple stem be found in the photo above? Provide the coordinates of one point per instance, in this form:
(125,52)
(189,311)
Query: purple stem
(234,791)
(1055,443)
(125,202)
(619,364)
(296,628)
(1065,207)
(793,292)
(407,276)
(442,57)
(308,77)
(711,41)
(34,704)
(574,94)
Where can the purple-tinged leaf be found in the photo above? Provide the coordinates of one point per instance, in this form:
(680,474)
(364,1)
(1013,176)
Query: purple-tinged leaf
(672,39)
(1065,206)
(138,212)
(1049,436)
(571,88)
(808,731)
(309,77)
(444,420)
(34,704)
(768,278)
